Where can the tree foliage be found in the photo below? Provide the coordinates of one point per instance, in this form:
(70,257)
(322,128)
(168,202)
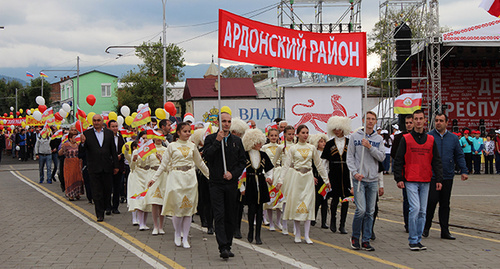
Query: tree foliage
(145,85)
(235,72)
(25,95)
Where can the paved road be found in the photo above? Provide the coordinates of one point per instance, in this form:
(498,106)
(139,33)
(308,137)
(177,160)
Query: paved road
(41,229)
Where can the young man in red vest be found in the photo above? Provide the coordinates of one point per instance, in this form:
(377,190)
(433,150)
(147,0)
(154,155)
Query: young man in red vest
(417,158)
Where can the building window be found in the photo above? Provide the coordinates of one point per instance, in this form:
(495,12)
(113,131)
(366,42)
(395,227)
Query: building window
(106,90)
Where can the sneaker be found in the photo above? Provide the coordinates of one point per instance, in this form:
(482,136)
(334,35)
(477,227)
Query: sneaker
(421,247)
(414,247)
(366,246)
(355,243)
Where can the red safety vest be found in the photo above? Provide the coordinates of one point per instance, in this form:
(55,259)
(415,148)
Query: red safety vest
(418,159)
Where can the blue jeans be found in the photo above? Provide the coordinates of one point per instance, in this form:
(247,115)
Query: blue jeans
(42,161)
(387,162)
(365,201)
(417,192)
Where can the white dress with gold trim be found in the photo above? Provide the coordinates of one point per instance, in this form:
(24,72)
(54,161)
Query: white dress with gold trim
(271,149)
(156,192)
(297,170)
(279,160)
(140,174)
(181,192)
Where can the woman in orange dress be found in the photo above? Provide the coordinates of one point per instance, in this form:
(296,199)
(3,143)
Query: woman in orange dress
(72,168)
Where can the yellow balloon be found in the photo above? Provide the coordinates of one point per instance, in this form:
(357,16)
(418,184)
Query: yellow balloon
(129,143)
(160,113)
(112,115)
(23,124)
(129,120)
(21,110)
(225,109)
(90,116)
(11,116)
(134,114)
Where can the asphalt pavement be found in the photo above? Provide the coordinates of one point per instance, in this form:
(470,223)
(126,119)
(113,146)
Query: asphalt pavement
(42,229)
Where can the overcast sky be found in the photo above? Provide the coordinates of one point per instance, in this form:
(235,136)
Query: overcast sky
(51,33)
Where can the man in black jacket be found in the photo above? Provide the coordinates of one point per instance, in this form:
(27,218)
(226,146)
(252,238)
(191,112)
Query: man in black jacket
(117,178)
(102,162)
(224,184)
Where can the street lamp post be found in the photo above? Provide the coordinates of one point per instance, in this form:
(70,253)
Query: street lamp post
(164,53)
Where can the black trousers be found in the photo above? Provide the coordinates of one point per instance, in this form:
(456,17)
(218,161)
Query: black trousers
(468,161)
(61,174)
(223,197)
(101,185)
(443,198)
(344,207)
(204,203)
(117,185)
(124,181)
(488,164)
(255,213)
(476,158)
(320,201)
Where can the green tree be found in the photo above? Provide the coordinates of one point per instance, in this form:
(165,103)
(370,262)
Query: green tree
(235,72)
(25,95)
(145,85)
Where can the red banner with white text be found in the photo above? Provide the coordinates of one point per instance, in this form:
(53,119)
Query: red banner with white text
(244,40)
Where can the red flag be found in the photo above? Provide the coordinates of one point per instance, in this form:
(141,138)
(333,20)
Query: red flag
(147,149)
(173,128)
(275,195)
(143,116)
(323,191)
(150,134)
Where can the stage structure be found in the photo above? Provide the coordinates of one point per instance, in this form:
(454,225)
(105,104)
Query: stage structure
(319,16)
(396,73)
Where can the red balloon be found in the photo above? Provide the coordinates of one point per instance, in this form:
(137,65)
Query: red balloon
(42,108)
(8,129)
(170,108)
(1,127)
(18,113)
(79,126)
(5,114)
(58,116)
(11,113)
(91,99)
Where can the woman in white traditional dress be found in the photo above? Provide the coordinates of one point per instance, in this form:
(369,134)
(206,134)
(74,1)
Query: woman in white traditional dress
(181,194)
(271,148)
(154,196)
(137,183)
(300,193)
(279,159)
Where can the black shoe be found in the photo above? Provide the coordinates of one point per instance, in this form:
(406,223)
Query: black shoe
(333,228)
(414,247)
(257,240)
(313,223)
(342,230)
(425,233)
(366,246)
(224,254)
(324,226)
(210,230)
(447,236)
(355,243)
(108,212)
(115,211)
(250,236)
(230,254)
(421,247)
(100,219)
(237,234)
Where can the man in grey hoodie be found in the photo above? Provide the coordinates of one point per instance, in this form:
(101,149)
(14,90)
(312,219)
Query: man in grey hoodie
(365,151)
(43,153)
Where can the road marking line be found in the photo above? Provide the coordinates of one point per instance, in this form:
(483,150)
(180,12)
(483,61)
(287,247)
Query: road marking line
(473,195)
(265,251)
(73,209)
(351,251)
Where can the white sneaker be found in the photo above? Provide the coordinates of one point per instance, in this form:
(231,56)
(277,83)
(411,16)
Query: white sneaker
(155,231)
(143,228)
(161,231)
(271,228)
(284,231)
(177,241)
(135,222)
(298,239)
(278,225)
(185,244)
(309,241)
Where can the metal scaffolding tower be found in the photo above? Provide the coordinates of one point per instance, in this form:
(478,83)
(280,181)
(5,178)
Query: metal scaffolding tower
(434,66)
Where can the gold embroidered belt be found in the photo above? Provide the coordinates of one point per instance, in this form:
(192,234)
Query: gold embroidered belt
(303,170)
(183,168)
(147,167)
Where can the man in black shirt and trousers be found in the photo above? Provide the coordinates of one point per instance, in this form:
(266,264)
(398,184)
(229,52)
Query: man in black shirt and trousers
(224,184)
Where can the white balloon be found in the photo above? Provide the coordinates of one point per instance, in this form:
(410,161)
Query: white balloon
(66,108)
(18,148)
(63,121)
(40,100)
(140,106)
(12,127)
(120,120)
(125,110)
(11,108)
(28,111)
(63,113)
(37,115)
